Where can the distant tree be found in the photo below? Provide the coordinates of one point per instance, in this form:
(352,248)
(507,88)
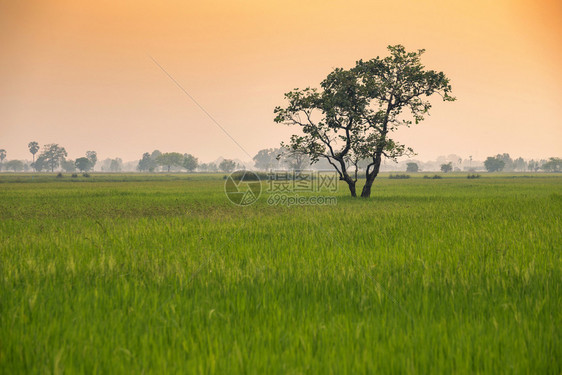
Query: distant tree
(146,164)
(533,165)
(52,155)
(520,164)
(227,165)
(92,157)
(154,157)
(170,159)
(508,162)
(33,148)
(39,164)
(2,157)
(412,167)
(212,167)
(356,111)
(294,159)
(69,166)
(267,158)
(553,165)
(190,162)
(15,165)
(446,168)
(83,164)
(115,165)
(494,163)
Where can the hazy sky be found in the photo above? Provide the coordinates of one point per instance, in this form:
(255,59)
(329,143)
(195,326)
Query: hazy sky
(78,73)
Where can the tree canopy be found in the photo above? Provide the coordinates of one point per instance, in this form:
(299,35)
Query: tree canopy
(68,165)
(553,165)
(446,168)
(412,167)
(15,165)
(170,159)
(83,164)
(93,157)
(494,163)
(33,148)
(227,165)
(51,156)
(267,159)
(190,162)
(3,154)
(147,163)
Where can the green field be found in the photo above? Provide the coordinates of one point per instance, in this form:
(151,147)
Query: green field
(162,274)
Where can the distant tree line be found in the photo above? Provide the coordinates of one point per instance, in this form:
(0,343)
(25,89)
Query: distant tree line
(175,162)
(503,162)
(281,158)
(53,157)
(499,163)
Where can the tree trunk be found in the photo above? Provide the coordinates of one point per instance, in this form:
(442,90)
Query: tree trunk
(351,185)
(366,192)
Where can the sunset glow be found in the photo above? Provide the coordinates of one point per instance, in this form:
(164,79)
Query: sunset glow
(79,73)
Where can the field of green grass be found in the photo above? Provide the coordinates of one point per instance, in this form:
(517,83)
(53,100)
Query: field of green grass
(162,274)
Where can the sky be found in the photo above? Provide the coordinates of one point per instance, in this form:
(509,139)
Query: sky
(82,73)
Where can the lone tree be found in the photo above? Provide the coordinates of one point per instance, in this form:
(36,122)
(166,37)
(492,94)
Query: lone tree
(350,119)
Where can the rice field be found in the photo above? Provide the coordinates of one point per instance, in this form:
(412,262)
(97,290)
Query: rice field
(162,274)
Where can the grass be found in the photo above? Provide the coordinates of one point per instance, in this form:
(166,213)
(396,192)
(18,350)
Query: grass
(161,274)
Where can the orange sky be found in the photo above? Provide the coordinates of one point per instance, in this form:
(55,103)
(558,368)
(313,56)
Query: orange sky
(78,73)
